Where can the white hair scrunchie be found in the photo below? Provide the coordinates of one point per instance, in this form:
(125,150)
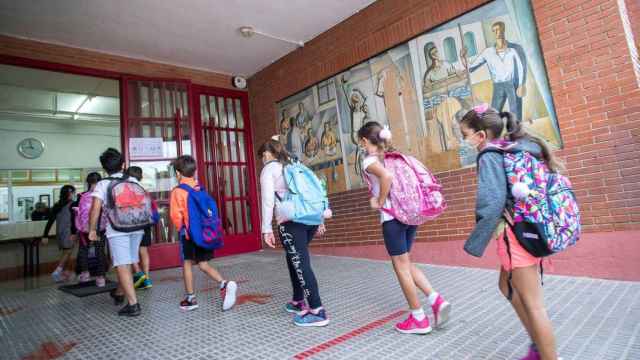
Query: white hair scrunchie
(385,133)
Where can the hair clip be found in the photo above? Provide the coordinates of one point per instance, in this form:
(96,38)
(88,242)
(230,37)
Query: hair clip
(275,137)
(481,108)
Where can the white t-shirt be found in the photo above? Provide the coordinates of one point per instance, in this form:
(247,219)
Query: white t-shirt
(375,185)
(271,181)
(100,192)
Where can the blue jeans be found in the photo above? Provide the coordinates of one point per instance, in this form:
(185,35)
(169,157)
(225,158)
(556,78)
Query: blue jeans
(503,91)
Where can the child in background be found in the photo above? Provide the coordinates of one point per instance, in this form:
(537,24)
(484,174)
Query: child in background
(83,209)
(64,217)
(141,278)
(185,167)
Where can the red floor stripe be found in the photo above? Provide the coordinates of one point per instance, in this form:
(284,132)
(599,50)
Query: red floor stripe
(342,338)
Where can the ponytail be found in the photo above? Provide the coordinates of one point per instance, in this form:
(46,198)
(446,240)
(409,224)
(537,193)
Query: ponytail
(505,125)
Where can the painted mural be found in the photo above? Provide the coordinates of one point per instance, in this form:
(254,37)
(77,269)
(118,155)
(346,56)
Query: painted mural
(422,88)
(309,127)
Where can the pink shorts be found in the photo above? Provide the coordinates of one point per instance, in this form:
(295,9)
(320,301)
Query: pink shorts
(519,256)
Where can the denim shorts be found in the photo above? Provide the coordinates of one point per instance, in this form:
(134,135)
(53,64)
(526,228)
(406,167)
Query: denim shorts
(398,237)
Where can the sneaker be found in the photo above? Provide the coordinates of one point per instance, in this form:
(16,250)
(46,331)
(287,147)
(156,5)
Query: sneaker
(117,299)
(57,276)
(146,284)
(84,277)
(138,280)
(101,281)
(188,304)
(294,307)
(532,354)
(441,310)
(228,295)
(413,326)
(308,319)
(130,310)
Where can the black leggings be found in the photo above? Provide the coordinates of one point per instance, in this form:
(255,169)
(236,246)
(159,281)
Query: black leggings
(84,245)
(295,238)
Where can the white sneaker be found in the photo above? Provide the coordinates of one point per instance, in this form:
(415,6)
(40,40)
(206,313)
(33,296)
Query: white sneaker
(228,294)
(57,276)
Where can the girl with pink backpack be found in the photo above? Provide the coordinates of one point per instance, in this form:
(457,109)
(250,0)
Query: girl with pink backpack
(90,249)
(407,195)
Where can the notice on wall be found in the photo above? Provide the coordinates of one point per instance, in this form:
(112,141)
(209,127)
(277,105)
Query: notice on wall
(145,148)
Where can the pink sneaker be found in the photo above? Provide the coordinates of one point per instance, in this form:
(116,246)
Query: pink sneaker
(413,326)
(441,310)
(532,354)
(101,281)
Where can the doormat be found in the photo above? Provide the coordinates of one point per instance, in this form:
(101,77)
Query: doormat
(88,288)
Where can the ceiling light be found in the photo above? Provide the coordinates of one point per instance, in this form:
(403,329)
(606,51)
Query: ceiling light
(249,31)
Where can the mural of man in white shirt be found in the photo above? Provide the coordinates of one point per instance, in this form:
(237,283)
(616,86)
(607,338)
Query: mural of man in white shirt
(507,65)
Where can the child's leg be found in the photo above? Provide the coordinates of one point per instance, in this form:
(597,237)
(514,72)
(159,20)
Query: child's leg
(421,280)
(526,282)
(136,266)
(295,239)
(125,283)
(83,253)
(188,276)
(402,267)
(298,292)
(144,259)
(101,256)
(210,271)
(516,302)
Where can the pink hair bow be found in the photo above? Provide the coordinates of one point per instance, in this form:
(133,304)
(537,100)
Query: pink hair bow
(481,108)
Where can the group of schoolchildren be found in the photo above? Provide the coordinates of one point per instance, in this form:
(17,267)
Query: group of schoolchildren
(514,170)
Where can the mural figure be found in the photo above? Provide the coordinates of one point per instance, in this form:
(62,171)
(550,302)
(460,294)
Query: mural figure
(329,140)
(311,146)
(507,65)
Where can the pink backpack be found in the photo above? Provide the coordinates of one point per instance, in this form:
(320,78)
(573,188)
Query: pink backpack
(82,214)
(415,195)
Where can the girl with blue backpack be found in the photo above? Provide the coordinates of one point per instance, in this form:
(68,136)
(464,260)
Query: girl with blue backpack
(522,202)
(407,195)
(301,205)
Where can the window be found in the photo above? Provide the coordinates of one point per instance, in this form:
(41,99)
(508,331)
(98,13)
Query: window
(450,51)
(326,92)
(470,43)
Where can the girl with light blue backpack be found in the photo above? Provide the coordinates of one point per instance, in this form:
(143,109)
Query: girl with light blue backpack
(301,205)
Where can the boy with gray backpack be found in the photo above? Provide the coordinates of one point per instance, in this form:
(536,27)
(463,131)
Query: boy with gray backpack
(129,212)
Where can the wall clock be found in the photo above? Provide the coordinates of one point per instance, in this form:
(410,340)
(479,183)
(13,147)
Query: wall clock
(30,148)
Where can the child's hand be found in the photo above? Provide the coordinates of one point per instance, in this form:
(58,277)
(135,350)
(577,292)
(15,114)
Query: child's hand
(93,235)
(269,239)
(374,203)
(321,230)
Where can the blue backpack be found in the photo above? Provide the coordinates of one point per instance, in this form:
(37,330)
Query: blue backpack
(204,226)
(306,199)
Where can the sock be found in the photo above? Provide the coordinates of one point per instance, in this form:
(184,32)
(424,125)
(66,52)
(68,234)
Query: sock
(418,314)
(433,297)
(222,284)
(316,310)
(190,296)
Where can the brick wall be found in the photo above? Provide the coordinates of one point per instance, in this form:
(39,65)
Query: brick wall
(595,91)
(95,60)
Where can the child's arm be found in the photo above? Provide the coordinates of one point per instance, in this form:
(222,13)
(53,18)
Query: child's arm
(267,197)
(490,202)
(176,210)
(52,218)
(94,215)
(385,179)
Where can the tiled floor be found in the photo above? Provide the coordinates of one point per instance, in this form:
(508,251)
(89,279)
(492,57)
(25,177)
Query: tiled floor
(593,319)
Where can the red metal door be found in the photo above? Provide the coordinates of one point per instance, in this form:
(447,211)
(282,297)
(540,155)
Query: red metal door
(224,139)
(157,128)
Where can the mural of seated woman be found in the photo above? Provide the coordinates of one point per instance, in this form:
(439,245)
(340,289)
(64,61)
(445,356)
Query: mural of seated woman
(329,140)
(311,146)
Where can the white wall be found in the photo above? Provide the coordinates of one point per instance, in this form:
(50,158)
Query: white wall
(67,144)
